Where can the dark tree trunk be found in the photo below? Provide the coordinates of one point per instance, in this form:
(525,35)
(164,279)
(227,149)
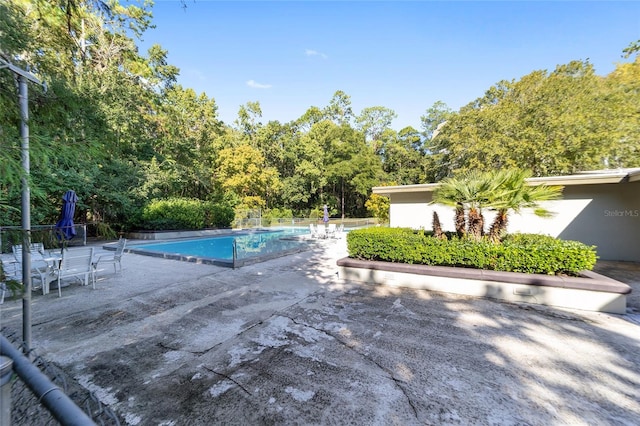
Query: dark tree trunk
(475,224)
(461,223)
(437,229)
(342,196)
(499,226)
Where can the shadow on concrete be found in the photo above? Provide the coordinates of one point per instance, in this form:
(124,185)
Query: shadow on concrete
(287,342)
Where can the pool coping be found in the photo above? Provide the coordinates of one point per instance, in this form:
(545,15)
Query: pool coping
(227,263)
(175,234)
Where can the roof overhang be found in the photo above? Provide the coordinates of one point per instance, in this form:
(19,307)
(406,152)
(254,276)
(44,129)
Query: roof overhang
(593,177)
(388,190)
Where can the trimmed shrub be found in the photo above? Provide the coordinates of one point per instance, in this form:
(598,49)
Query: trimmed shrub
(271,216)
(218,215)
(529,253)
(183,213)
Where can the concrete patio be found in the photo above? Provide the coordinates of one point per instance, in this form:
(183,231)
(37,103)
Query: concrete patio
(286,342)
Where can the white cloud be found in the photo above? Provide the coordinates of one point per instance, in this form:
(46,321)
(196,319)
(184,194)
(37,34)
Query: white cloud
(310,52)
(196,74)
(256,85)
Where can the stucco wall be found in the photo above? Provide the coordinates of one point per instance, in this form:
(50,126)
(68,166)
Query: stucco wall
(604,215)
(610,220)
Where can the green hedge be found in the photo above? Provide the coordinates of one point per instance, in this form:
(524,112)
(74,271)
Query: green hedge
(270,216)
(184,213)
(529,253)
(218,215)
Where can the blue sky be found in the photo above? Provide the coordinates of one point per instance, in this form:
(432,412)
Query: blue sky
(403,55)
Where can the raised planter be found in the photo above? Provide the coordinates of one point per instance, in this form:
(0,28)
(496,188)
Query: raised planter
(591,291)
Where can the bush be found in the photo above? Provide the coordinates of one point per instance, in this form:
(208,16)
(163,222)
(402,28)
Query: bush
(183,213)
(529,253)
(378,206)
(218,215)
(272,215)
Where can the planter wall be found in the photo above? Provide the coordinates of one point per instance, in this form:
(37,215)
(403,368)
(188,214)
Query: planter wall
(592,292)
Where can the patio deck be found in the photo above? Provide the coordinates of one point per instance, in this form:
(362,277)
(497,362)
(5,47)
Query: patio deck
(287,342)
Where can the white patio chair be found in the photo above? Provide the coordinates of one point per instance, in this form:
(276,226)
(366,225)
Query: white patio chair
(331,230)
(313,230)
(11,273)
(41,268)
(114,258)
(322,231)
(75,263)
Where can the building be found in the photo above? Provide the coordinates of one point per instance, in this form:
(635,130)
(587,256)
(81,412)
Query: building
(600,208)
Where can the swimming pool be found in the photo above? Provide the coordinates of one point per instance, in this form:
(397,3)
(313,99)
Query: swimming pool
(230,250)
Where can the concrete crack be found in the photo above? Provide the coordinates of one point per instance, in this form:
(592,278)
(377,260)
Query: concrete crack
(352,347)
(171,348)
(228,378)
(260,322)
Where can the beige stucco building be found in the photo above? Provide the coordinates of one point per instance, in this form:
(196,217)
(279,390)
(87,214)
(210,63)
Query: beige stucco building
(600,208)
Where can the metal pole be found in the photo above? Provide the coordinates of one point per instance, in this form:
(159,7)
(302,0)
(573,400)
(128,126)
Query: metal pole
(61,407)
(234,255)
(26,212)
(6,370)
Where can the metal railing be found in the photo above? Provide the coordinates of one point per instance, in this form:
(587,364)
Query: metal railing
(47,234)
(262,222)
(40,394)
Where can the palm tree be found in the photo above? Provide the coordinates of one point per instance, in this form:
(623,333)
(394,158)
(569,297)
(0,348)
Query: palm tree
(513,193)
(450,192)
(480,189)
(437,228)
(468,194)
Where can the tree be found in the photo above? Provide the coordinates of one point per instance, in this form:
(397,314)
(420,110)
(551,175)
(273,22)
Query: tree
(339,110)
(403,158)
(618,100)
(373,121)
(378,206)
(634,47)
(249,119)
(451,192)
(437,228)
(116,126)
(468,193)
(312,116)
(434,118)
(550,123)
(512,194)
(242,171)
(187,124)
(351,167)
(504,191)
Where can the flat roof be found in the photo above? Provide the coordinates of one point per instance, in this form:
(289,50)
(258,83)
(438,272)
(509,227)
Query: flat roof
(590,177)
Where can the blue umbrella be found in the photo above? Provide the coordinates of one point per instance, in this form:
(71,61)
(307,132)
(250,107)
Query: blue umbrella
(65,227)
(325,217)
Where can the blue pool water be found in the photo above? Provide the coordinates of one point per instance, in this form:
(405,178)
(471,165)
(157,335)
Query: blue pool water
(260,245)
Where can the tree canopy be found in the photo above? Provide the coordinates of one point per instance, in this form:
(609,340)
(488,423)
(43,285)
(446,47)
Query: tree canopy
(115,126)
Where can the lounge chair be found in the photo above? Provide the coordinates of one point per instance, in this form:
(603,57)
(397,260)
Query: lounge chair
(75,263)
(114,258)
